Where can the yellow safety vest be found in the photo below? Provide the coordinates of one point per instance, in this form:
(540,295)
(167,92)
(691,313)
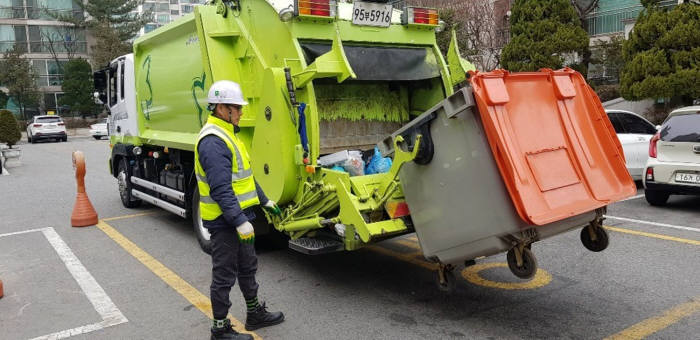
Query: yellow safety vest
(242,180)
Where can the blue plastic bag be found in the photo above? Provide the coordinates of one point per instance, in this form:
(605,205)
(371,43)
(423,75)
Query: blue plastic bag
(378,164)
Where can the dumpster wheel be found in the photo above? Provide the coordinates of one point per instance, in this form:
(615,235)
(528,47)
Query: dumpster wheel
(594,237)
(528,263)
(445,278)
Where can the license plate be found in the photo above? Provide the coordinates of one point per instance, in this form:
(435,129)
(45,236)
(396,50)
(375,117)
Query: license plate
(687,178)
(371,14)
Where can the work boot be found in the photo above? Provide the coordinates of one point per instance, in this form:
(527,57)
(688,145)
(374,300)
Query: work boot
(222,330)
(260,318)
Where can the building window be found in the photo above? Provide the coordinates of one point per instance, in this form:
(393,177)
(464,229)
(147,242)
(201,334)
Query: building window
(13,36)
(163,7)
(12,9)
(50,9)
(174,12)
(52,103)
(149,27)
(173,2)
(49,73)
(186,9)
(163,18)
(59,39)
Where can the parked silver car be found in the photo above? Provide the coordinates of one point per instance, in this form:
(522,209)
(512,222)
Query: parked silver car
(46,127)
(673,167)
(634,133)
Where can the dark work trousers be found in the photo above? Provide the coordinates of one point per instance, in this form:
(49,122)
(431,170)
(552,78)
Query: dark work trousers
(231,260)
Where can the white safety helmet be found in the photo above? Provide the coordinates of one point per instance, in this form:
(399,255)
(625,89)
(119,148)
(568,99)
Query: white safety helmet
(225,92)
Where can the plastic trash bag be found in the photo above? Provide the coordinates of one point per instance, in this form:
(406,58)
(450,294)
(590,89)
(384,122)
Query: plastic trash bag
(354,165)
(378,164)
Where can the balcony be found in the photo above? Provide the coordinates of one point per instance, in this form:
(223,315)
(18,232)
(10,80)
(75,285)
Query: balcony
(36,13)
(613,21)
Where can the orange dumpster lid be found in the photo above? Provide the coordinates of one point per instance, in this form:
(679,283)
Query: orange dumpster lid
(554,145)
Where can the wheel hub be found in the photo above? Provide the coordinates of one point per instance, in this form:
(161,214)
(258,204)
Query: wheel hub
(121,180)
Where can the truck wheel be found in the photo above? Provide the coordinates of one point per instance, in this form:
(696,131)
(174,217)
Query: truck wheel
(203,236)
(125,186)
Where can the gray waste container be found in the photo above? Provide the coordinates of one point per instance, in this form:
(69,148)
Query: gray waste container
(459,204)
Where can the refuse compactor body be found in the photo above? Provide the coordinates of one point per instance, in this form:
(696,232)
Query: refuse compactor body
(510,160)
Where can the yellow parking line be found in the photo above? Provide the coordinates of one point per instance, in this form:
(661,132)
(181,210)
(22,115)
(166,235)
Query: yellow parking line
(655,324)
(195,297)
(129,216)
(659,236)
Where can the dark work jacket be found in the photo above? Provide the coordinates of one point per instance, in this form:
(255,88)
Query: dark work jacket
(216,160)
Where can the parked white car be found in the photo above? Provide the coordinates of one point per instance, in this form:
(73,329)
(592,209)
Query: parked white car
(634,133)
(99,130)
(46,127)
(673,167)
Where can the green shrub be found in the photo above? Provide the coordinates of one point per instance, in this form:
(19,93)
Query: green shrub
(9,128)
(607,92)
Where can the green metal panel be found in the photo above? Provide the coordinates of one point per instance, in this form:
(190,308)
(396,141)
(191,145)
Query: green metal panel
(176,64)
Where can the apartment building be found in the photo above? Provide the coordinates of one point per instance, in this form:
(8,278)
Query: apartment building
(30,26)
(165,11)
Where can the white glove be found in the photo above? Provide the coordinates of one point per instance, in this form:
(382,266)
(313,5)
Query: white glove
(246,233)
(272,208)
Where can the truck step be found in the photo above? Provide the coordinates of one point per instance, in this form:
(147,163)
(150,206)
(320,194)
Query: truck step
(315,246)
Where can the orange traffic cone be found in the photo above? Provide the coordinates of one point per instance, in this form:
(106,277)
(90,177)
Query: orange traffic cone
(1,292)
(83,212)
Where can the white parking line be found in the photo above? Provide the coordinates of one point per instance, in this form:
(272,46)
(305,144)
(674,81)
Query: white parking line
(653,223)
(111,315)
(632,198)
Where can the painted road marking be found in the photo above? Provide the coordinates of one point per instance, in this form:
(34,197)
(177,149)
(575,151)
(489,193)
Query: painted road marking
(191,294)
(148,213)
(111,315)
(631,198)
(659,236)
(653,223)
(471,274)
(655,324)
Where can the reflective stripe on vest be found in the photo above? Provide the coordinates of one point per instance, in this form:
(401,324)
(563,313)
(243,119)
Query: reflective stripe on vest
(242,180)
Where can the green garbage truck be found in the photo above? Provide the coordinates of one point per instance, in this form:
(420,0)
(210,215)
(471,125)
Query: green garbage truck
(324,79)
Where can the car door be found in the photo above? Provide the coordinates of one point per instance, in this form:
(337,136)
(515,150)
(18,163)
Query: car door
(638,132)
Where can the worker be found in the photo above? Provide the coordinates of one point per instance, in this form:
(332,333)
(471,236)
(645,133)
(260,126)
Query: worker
(228,193)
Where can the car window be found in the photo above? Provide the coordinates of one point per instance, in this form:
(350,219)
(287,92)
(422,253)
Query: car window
(683,128)
(615,120)
(48,119)
(634,124)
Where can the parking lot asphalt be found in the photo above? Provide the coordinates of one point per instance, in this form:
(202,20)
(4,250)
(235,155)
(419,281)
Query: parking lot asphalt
(140,274)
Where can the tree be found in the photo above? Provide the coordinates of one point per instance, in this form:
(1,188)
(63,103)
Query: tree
(17,74)
(445,36)
(9,128)
(662,54)
(544,34)
(121,15)
(113,23)
(108,46)
(3,99)
(485,40)
(608,54)
(78,87)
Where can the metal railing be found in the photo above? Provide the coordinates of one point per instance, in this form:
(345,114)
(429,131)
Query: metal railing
(58,46)
(613,21)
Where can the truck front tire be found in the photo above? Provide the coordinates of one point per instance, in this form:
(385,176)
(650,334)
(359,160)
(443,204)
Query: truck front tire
(203,236)
(124,181)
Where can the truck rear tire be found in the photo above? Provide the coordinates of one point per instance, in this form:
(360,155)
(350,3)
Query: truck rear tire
(125,186)
(203,236)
